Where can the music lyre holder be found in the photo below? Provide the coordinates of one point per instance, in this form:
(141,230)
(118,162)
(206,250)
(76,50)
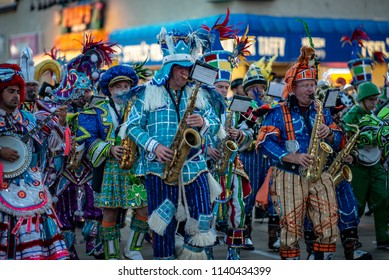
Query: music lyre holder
(331,97)
(203,73)
(240,103)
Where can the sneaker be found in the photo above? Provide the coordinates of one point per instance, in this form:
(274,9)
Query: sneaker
(362,255)
(383,244)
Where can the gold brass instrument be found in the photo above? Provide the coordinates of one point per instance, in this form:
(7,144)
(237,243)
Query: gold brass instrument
(227,148)
(317,149)
(337,169)
(184,139)
(129,157)
(74,160)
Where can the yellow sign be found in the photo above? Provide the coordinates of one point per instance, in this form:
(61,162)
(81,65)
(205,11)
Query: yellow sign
(73,41)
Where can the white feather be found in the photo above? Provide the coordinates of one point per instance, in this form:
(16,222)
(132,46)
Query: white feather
(154,98)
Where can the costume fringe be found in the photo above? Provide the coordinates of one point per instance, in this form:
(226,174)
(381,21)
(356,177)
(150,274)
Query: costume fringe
(157,224)
(192,226)
(221,134)
(214,188)
(154,98)
(187,254)
(203,239)
(201,100)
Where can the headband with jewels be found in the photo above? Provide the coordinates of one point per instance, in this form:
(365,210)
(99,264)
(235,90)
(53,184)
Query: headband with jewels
(214,53)
(178,48)
(82,72)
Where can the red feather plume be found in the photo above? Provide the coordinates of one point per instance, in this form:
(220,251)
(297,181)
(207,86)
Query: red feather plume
(226,31)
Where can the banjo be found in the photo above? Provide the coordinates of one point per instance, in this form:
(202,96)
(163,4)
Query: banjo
(22,145)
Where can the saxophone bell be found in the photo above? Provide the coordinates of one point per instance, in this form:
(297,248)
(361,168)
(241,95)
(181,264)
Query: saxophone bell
(345,173)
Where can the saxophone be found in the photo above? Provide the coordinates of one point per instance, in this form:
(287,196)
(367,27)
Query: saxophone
(227,148)
(337,169)
(317,149)
(74,160)
(184,139)
(129,157)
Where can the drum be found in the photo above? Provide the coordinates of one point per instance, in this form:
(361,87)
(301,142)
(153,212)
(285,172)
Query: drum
(14,169)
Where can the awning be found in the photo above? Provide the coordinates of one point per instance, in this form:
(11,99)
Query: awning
(275,35)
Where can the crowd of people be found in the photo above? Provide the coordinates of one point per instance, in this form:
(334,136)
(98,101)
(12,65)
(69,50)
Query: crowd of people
(85,142)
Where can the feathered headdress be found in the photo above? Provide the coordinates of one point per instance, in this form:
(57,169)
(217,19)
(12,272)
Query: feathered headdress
(361,67)
(215,54)
(241,47)
(303,69)
(83,71)
(178,48)
(259,72)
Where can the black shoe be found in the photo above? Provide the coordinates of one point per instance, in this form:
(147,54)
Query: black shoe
(383,244)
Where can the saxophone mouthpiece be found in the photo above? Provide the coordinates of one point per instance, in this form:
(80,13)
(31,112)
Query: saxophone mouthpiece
(185,77)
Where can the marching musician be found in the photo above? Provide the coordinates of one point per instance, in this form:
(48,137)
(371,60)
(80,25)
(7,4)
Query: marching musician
(226,166)
(116,189)
(71,182)
(28,223)
(255,84)
(285,137)
(159,108)
(369,176)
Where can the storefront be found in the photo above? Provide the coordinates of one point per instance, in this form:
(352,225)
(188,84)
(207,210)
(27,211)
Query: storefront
(281,36)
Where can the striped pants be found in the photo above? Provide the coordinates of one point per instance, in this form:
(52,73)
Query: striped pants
(294,198)
(198,200)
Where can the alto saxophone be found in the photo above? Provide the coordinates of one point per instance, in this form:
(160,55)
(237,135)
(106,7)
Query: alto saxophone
(337,169)
(74,160)
(317,149)
(131,150)
(227,148)
(184,139)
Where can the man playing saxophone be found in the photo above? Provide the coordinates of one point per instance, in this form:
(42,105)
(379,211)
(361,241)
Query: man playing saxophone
(285,136)
(116,189)
(158,110)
